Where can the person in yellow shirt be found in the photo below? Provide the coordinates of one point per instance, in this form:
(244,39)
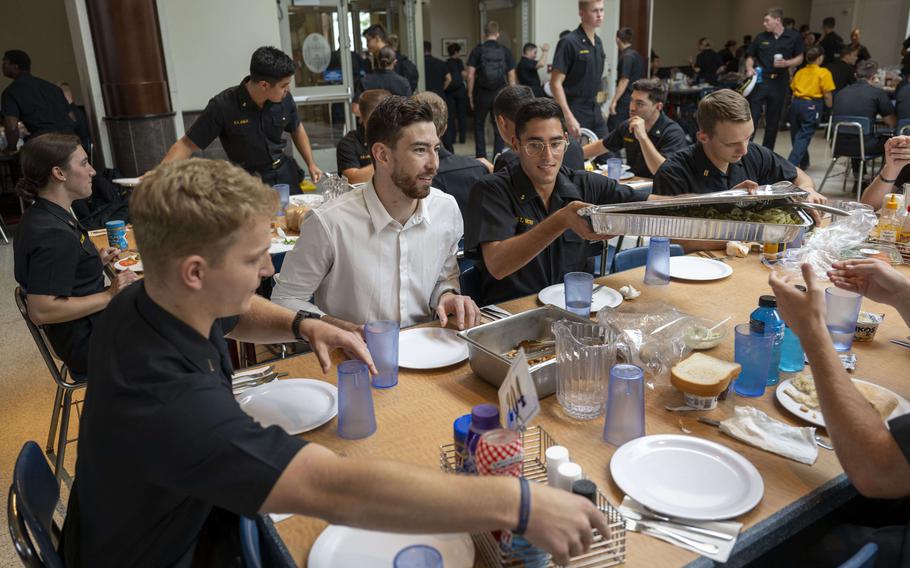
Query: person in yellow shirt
(810,85)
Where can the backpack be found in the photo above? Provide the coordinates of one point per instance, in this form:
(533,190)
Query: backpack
(492,66)
(108,202)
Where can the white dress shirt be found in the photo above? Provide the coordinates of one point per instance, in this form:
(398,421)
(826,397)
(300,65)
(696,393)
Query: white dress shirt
(359,264)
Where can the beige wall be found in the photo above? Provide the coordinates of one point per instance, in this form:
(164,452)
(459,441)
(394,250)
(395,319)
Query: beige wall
(40,28)
(211,43)
(451,19)
(883,24)
(678,25)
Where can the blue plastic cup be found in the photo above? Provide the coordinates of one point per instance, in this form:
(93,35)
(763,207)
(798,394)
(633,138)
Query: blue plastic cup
(356,418)
(382,340)
(614,168)
(284,194)
(578,287)
(842,311)
(657,271)
(625,417)
(418,556)
(753,352)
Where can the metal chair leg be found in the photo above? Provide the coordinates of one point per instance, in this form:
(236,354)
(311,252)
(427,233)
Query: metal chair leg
(827,173)
(64,431)
(859,182)
(55,417)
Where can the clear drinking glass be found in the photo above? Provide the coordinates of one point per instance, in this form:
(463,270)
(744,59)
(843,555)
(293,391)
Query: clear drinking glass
(578,287)
(356,417)
(382,341)
(657,270)
(614,168)
(842,311)
(625,418)
(584,355)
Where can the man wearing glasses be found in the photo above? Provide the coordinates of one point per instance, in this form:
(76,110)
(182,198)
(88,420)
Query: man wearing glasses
(522,225)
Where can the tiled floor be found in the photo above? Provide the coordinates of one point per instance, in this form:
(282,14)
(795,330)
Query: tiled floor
(27,392)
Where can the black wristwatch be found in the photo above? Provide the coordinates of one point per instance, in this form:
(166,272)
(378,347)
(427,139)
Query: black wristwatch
(298,319)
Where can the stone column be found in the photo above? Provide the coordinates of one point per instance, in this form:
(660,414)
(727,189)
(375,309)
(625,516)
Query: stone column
(127,42)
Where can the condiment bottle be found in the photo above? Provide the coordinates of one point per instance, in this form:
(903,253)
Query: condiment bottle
(889,226)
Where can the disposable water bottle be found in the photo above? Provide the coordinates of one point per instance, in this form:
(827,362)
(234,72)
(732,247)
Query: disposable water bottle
(758,74)
(765,320)
(792,356)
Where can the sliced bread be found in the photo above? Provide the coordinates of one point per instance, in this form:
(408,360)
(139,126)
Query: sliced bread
(703,375)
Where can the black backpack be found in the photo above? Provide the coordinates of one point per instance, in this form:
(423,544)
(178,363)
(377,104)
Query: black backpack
(492,74)
(108,202)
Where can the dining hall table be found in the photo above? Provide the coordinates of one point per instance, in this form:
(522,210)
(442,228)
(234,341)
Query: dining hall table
(415,418)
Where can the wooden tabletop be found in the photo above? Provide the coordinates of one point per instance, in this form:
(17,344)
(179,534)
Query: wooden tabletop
(415,418)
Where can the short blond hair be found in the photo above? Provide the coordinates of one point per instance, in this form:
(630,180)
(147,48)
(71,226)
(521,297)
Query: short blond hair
(439,108)
(195,206)
(724,105)
(588,4)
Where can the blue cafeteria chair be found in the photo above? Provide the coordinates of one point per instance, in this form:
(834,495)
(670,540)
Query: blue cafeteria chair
(865,558)
(30,508)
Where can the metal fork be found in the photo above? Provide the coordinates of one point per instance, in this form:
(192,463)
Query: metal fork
(645,528)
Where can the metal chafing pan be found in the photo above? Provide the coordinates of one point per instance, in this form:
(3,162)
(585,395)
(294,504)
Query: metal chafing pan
(640,218)
(488,342)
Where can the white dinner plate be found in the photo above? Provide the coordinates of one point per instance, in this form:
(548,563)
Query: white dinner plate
(346,547)
(815,416)
(134,267)
(127,182)
(606,297)
(430,348)
(626,174)
(688,477)
(701,269)
(297,405)
(279,245)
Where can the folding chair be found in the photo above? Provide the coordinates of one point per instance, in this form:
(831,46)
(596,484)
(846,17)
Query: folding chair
(67,384)
(903,126)
(261,546)
(30,509)
(860,126)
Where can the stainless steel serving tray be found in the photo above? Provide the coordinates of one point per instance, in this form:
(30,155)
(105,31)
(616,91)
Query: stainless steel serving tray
(634,218)
(488,342)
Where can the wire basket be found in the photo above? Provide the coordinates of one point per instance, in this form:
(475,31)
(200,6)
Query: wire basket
(603,552)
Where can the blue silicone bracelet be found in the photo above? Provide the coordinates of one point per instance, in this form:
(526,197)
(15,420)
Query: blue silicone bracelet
(524,508)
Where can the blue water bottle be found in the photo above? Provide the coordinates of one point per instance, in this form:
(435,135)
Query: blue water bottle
(765,320)
(758,74)
(792,356)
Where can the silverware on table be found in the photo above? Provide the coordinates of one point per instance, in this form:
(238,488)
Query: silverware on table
(647,528)
(653,516)
(241,387)
(597,289)
(246,374)
(494,312)
(683,408)
(902,343)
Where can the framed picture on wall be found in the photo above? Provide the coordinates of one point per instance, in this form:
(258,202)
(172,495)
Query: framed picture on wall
(460,41)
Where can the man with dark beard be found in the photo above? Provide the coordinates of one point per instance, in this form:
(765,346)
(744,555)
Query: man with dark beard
(385,251)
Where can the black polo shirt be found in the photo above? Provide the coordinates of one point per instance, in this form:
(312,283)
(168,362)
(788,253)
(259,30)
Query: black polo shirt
(843,73)
(53,256)
(505,204)
(457,175)
(690,171)
(528,76)
(435,70)
(731,64)
(251,136)
(832,44)
(666,135)
(902,100)
(163,445)
(900,429)
(765,45)
(352,151)
(455,66)
(862,99)
(383,79)
(407,69)
(573,159)
(582,63)
(39,104)
(709,61)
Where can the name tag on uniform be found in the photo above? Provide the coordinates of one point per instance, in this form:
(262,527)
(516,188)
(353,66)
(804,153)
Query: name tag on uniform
(82,239)
(525,221)
(366,157)
(628,139)
(584,51)
(241,122)
(601,97)
(766,43)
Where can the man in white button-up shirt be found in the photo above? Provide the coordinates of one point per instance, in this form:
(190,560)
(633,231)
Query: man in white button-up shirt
(386,251)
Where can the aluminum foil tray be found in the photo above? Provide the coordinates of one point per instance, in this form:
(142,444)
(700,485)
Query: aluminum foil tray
(694,228)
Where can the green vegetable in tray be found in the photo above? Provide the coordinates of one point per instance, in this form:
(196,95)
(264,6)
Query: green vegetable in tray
(771,215)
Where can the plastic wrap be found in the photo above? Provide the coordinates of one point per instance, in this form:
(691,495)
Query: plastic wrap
(823,247)
(653,334)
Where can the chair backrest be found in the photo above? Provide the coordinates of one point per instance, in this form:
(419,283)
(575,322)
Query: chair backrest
(638,256)
(44,346)
(470,284)
(249,543)
(30,509)
(865,558)
(847,124)
(903,126)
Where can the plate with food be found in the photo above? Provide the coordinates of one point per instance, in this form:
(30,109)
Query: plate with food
(130,261)
(799,397)
(282,244)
